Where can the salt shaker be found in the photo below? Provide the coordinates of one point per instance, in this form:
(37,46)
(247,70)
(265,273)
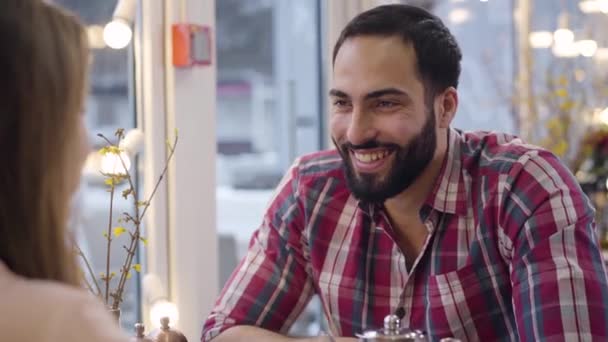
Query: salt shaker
(166,333)
(139,334)
(392,331)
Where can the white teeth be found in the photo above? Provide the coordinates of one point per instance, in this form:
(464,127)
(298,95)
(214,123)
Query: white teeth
(369,157)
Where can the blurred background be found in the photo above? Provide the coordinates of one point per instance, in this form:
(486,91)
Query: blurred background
(535,68)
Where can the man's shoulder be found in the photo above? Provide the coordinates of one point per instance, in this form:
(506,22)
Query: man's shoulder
(327,163)
(496,151)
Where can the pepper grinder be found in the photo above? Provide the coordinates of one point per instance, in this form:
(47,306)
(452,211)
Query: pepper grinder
(139,334)
(166,333)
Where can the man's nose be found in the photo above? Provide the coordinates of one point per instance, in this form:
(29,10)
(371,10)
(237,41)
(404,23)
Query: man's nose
(361,127)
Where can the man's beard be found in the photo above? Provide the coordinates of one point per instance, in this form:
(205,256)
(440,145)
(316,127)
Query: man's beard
(409,162)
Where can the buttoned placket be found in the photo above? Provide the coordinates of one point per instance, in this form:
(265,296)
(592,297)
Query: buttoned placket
(405,300)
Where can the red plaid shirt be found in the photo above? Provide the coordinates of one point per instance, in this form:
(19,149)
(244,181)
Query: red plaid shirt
(511,254)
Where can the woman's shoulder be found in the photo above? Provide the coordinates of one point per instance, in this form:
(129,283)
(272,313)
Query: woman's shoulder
(49,311)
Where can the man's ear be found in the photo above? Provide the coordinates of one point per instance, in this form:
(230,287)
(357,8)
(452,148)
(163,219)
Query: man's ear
(445,107)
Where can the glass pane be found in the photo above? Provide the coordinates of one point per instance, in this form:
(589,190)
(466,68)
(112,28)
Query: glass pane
(268,110)
(109,107)
(484,31)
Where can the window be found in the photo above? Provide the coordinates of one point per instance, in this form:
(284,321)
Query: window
(484,31)
(110,106)
(269,109)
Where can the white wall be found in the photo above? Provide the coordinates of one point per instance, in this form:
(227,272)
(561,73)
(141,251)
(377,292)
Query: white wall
(183,242)
(193,247)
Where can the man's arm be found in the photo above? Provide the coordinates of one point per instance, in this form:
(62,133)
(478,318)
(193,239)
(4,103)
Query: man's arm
(252,334)
(271,285)
(558,275)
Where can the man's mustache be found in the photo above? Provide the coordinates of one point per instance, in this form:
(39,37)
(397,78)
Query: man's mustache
(366,145)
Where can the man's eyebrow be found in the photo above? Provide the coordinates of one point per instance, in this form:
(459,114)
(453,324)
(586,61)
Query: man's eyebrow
(338,93)
(387,91)
(373,95)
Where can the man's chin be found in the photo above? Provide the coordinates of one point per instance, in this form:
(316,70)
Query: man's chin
(371,180)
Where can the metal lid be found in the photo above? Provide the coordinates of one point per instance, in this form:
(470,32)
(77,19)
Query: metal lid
(166,333)
(392,331)
(140,334)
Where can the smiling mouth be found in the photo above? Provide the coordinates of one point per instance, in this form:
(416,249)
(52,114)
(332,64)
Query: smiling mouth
(370,160)
(370,157)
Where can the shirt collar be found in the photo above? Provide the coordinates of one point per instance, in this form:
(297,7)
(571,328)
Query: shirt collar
(449,193)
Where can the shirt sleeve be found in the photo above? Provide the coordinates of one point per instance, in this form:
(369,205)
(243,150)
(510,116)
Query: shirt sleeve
(558,276)
(271,285)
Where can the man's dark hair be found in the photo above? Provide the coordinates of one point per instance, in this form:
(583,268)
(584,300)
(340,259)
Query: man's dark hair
(437,52)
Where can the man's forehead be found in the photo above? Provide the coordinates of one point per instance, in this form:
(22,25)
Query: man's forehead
(373,59)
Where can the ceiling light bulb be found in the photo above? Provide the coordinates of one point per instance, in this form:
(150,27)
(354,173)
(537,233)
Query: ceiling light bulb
(111,163)
(163,308)
(603,6)
(589,6)
(586,47)
(541,39)
(459,16)
(563,36)
(565,50)
(117,34)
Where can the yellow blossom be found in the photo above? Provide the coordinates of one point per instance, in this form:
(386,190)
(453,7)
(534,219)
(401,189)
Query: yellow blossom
(109,149)
(118,231)
(137,268)
(561,92)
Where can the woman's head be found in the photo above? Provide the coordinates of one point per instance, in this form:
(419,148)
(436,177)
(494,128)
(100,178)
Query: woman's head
(43,67)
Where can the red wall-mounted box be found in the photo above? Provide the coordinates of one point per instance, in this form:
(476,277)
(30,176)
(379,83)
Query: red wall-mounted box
(191,45)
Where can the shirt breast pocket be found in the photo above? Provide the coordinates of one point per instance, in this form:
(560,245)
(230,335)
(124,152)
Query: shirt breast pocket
(468,303)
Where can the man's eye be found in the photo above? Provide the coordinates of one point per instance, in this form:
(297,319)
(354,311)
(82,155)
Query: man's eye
(339,103)
(386,104)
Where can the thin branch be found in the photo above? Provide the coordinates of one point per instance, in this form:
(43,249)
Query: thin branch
(136,235)
(162,175)
(117,296)
(106,139)
(89,269)
(127,264)
(130,217)
(88,284)
(109,245)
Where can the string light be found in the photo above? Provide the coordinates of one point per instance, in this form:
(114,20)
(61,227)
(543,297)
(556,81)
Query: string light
(541,39)
(118,33)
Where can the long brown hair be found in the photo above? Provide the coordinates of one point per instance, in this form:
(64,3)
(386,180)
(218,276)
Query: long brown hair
(43,66)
